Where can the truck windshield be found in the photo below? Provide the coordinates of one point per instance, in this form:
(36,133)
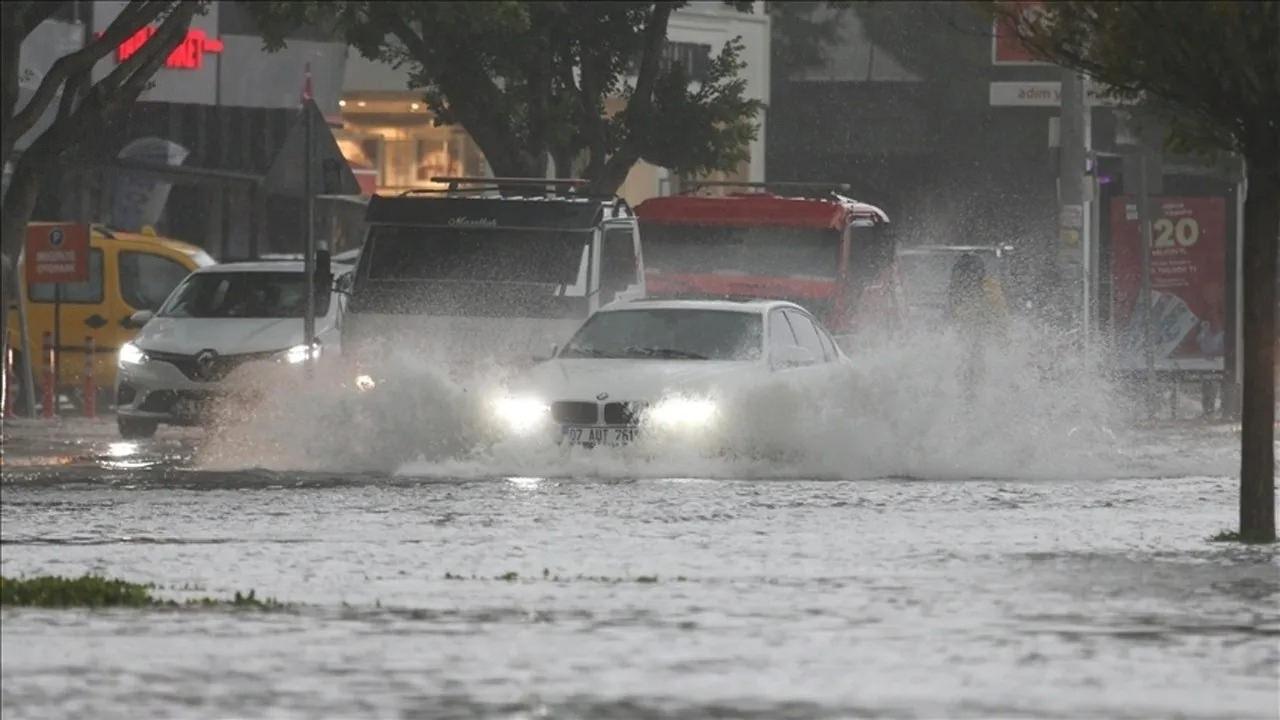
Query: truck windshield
(244,295)
(668,335)
(757,251)
(475,254)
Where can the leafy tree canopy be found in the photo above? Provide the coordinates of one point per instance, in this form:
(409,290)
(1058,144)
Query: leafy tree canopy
(531,80)
(1212,69)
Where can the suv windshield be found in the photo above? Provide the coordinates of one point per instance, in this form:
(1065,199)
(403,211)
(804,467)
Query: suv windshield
(475,254)
(760,251)
(668,335)
(244,295)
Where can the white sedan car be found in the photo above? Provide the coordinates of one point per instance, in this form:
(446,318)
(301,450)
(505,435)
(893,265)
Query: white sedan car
(222,318)
(665,367)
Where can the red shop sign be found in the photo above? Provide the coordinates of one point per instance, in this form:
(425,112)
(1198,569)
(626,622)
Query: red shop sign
(189,55)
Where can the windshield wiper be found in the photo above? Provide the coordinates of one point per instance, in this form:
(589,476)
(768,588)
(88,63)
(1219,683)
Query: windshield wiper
(664,353)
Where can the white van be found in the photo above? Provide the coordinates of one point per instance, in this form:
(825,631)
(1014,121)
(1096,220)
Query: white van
(469,276)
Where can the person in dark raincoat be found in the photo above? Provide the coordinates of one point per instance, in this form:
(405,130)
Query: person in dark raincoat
(976,310)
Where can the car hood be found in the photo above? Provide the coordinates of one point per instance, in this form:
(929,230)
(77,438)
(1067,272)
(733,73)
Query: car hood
(631,380)
(226,336)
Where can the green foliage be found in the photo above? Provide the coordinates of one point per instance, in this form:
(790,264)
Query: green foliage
(93,591)
(1231,536)
(87,591)
(1209,69)
(531,80)
(802,31)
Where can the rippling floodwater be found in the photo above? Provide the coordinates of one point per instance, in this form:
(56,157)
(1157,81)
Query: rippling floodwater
(1023,555)
(1060,597)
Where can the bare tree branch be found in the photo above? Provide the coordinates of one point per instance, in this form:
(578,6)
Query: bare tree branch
(133,18)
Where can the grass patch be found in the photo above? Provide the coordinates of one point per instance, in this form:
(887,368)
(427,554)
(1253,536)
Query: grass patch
(89,591)
(1233,536)
(94,591)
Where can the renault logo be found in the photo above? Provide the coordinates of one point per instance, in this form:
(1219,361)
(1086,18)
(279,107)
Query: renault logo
(205,360)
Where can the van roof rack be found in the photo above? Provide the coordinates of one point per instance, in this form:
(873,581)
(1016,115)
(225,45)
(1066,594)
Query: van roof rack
(825,187)
(455,181)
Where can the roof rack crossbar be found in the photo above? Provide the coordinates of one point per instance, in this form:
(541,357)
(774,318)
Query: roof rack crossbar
(455,181)
(779,184)
(446,191)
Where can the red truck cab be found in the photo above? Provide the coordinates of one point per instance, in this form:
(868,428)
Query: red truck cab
(828,253)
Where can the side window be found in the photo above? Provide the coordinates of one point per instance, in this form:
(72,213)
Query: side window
(828,345)
(806,334)
(81,292)
(780,334)
(617,263)
(147,279)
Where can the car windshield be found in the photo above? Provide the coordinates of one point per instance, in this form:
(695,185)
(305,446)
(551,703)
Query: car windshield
(760,251)
(244,295)
(667,334)
(476,254)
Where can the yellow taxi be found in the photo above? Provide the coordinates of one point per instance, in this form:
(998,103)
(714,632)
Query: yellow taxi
(128,272)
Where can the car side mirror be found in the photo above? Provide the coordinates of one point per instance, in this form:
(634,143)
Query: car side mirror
(792,356)
(324,269)
(140,318)
(555,348)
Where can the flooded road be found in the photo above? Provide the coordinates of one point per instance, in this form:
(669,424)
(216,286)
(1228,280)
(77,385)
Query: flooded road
(420,594)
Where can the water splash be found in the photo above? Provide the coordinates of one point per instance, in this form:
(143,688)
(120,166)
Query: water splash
(1038,412)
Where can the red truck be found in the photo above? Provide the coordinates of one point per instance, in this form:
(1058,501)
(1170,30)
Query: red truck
(821,250)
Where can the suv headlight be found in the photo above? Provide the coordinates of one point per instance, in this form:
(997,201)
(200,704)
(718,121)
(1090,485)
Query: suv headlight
(682,413)
(130,354)
(521,415)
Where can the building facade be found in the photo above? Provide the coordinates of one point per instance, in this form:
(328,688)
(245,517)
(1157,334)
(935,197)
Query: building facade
(220,111)
(390,137)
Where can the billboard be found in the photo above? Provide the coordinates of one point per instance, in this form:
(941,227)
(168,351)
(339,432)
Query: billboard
(1188,282)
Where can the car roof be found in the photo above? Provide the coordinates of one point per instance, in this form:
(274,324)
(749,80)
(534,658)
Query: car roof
(256,266)
(752,305)
(102,233)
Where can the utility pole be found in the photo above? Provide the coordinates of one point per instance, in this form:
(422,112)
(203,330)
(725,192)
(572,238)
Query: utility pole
(1144,299)
(308,197)
(1073,249)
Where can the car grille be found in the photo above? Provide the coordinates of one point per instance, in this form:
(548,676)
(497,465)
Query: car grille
(575,413)
(623,413)
(221,366)
(200,402)
(589,413)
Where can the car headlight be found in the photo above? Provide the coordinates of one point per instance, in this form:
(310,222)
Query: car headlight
(682,413)
(301,353)
(131,354)
(521,414)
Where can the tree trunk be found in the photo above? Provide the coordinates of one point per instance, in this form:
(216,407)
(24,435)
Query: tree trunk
(1257,453)
(18,204)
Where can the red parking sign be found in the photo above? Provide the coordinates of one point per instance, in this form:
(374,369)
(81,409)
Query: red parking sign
(57,253)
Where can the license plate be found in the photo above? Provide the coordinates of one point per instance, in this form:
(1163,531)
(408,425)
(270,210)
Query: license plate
(597,436)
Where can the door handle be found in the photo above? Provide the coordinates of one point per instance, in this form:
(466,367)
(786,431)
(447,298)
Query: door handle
(95,321)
